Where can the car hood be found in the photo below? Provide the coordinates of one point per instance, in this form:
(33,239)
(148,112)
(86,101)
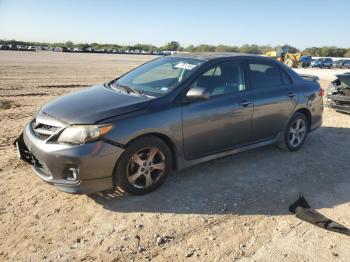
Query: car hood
(94,104)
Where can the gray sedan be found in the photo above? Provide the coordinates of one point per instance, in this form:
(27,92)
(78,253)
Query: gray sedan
(168,114)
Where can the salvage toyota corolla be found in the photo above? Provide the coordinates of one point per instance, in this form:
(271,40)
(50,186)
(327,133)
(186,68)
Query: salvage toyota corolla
(168,114)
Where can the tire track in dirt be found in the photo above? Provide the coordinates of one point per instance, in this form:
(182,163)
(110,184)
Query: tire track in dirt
(63,86)
(22,95)
(153,250)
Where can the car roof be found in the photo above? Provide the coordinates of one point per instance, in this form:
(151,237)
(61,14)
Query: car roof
(207,56)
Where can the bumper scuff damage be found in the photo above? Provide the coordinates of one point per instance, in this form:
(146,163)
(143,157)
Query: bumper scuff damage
(84,169)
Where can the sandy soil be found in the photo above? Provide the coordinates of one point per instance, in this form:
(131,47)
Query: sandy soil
(231,209)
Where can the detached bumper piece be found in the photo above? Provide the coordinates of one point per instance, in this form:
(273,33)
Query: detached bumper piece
(303,211)
(24,154)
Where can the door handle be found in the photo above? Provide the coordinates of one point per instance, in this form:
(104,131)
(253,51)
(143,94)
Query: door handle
(245,103)
(292,95)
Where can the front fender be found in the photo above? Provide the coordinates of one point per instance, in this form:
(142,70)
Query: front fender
(166,122)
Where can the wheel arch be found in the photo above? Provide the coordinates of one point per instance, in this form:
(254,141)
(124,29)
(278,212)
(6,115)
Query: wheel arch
(307,114)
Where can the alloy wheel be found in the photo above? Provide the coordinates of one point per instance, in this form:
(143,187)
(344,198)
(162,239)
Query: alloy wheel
(146,167)
(297,132)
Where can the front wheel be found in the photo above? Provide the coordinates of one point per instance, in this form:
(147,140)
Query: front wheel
(295,133)
(144,166)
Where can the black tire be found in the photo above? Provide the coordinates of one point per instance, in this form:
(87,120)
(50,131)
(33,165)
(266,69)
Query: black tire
(120,175)
(286,144)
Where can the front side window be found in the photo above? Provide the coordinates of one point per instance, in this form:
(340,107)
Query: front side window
(159,76)
(264,75)
(224,78)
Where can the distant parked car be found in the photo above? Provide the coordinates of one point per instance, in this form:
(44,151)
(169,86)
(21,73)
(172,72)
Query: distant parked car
(316,63)
(31,48)
(59,49)
(4,47)
(77,49)
(88,50)
(305,61)
(328,62)
(338,63)
(22,47)
(342,63)
(346,64)
(13,47)
(322,63)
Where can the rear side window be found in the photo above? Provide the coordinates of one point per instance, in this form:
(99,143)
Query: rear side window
(264,75)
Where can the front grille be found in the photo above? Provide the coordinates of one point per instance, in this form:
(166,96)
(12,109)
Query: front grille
(43,131)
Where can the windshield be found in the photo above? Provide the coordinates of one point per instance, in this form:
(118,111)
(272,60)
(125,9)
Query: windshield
(159,76)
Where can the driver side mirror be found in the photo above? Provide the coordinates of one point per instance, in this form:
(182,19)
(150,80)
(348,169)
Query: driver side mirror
(198,93)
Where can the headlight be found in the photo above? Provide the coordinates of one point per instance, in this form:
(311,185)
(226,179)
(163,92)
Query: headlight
(81,134)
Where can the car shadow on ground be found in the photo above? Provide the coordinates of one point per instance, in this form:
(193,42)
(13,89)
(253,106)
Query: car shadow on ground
(262,181)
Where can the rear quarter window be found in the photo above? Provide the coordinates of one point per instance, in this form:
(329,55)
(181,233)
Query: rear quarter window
(264,75)
(286,78)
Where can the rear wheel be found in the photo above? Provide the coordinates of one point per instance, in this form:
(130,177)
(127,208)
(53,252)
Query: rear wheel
(295,133)
(144,166)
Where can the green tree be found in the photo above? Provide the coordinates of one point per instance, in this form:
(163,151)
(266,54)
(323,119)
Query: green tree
(205,48)
(226,48)
(172,46)
(265,48)
(190,48)
(69,44)
(250,49)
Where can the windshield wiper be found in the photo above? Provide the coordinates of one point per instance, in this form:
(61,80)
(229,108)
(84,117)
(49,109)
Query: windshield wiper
(127,89)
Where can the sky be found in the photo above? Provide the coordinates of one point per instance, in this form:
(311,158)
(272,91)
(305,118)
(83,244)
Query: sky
(301,23)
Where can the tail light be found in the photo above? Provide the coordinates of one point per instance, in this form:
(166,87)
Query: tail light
(321,92)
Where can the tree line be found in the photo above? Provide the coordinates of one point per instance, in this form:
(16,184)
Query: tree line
(324,51)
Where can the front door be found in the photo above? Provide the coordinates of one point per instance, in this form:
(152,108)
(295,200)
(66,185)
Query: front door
(224,120)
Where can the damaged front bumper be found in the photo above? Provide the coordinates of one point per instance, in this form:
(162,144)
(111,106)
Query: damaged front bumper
(338,93)
(82,169)
(345,108)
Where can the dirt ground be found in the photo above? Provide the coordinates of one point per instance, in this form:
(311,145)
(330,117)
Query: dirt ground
(231,209)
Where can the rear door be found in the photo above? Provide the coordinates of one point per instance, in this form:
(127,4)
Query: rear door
(275,98)
(224,120)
